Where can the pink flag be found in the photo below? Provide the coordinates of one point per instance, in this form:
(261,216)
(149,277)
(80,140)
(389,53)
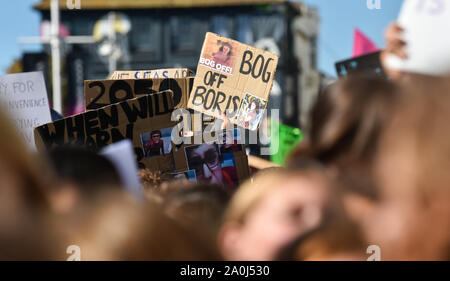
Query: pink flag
(362,44)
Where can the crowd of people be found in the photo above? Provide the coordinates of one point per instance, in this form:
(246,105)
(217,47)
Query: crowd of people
(372,171)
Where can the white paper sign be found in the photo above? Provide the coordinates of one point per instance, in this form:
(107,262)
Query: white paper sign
(24,97)
(121,154)
(427,25)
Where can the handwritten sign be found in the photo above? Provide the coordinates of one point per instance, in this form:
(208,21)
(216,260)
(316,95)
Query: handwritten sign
(426,24)
(153,74)
(132,119)
(99,93)
(234,78)
(24,97)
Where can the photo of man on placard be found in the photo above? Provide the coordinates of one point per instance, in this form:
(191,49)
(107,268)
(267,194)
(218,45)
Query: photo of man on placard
(156,142)
(210,166)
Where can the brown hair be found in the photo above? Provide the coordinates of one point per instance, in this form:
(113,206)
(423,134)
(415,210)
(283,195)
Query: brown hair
(12,148)
(345,124)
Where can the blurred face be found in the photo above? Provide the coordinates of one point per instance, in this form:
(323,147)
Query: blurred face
(205,160)
(403,225)
(226,49)
(13,205)
(279,218)
(156,138)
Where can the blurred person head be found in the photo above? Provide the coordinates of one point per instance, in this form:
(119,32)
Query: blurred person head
(115,227)
(198,207)
(23,183)
(269,213)
(26,232)
(81,173)
(345,125)
(413,218)
(340,240)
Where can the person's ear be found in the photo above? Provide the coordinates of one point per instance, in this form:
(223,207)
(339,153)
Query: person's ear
(229,241)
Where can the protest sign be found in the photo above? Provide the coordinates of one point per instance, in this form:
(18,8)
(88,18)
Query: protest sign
(425,24)
(131,119)
(24,97)
(100,93)
(121,154)
(234,78)
(222,160)
(367,64)
(153,74)
(288,138)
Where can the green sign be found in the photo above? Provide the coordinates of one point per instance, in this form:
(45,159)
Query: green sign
(288,139)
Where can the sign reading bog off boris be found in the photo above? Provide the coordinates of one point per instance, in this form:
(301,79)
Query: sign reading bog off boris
(233,78)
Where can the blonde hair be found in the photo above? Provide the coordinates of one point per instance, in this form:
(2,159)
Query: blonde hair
(253,191)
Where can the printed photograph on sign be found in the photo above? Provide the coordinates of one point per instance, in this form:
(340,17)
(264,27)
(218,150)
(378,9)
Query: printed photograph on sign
(219,53)
(230,141)
(157,142)
(211,166)
(186,175)
(250,112)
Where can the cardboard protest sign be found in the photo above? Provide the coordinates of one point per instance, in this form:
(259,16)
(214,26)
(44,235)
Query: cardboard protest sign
(132,119)
(100,93)
(220,159)
(24,97)
(234,78)
(288,138)
(426,24)
(153,74)
(367,64)
(121,154)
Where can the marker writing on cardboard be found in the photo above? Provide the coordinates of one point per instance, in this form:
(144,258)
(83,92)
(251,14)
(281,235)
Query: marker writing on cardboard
(247,67)
(97,128)
(211,99)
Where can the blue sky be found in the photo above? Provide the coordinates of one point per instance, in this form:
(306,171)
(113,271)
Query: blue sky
(17,19)
(338,19)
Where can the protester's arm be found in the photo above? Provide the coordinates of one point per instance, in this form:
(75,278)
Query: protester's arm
(395,45)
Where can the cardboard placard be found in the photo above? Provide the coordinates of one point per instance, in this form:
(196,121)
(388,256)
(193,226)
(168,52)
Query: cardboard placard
(425,24)
(234,78)
(367,64)
(153,74)
(24,97)
(131,119)
(100,93)
(146,121)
